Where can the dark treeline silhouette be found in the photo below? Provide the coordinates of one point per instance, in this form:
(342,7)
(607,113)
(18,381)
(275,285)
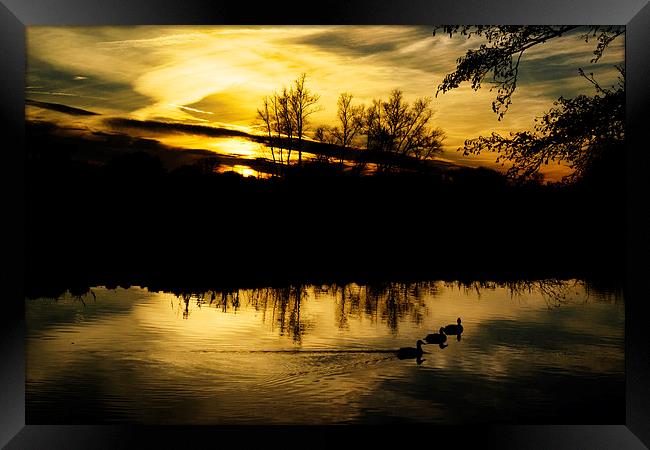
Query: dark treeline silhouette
(396,134)
(135,218)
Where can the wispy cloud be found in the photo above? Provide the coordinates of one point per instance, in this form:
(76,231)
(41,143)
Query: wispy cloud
(220,73)
(187,108)
(62,94)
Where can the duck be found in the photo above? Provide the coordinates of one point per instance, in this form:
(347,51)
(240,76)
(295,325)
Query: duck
(454,329)
(411,352)
(436,338)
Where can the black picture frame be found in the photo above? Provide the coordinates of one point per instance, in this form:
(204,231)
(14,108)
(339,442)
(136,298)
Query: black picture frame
(16,14)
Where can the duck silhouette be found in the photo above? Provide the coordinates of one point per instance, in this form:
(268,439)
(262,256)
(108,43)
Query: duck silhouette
(436,338)
(411,352)
(454,329)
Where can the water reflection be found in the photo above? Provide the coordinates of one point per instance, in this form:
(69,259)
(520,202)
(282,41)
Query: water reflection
(388,303)
(541,352)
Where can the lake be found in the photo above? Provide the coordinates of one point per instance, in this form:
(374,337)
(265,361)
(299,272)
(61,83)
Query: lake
(530,352)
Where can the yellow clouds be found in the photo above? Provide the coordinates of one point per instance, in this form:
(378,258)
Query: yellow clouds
(219,74)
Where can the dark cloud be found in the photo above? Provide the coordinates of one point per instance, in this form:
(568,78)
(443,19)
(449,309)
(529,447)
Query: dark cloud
(61,108)
(347,42)
(47,80)
(176,127)
(101,146)
(363,41)
(387,46)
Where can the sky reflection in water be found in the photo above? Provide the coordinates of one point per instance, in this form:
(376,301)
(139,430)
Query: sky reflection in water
(327,355)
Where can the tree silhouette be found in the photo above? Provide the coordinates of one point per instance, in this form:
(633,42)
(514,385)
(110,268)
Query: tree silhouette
(272,121)
(399,129)
(302,104)
(350,122)
(579,131)
(322,134)
(284,118)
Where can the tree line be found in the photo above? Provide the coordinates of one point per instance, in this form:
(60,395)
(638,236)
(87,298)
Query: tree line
(587,133)
(392,127)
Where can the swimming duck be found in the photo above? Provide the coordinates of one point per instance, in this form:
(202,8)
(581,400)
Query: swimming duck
(436,338)
(410,352)
(454,329)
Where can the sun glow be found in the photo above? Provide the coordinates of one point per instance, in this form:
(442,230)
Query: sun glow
(243,170)
(237,147)
(215,75)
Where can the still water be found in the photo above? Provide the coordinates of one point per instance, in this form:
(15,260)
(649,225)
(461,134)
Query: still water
(534,352)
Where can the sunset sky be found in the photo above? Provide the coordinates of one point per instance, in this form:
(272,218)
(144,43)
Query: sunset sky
(217,75)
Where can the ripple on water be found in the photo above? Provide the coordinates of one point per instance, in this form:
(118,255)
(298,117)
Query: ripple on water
(137,357)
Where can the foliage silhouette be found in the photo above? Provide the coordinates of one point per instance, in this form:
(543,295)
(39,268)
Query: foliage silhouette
(503,50)
(580,131)
(396,127)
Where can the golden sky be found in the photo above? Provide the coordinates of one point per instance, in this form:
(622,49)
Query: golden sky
(216,75)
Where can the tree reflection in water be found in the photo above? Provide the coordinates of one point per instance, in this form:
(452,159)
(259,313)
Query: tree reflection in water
(387,302)
(554,292)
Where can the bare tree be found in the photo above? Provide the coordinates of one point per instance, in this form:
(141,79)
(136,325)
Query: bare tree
(398,128)
(375,134)
(284,119)
(322,134)
(350,122)
(302,104)
(267,115)
(277,120)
